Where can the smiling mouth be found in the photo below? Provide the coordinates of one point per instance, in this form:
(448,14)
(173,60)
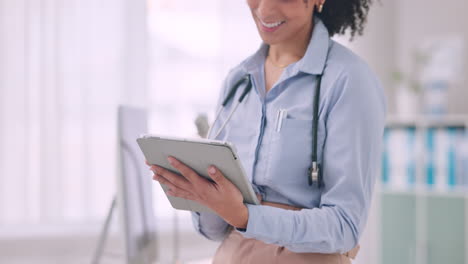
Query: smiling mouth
(272,25)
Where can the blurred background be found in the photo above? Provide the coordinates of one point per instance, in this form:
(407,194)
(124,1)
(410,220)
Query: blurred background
(65,66)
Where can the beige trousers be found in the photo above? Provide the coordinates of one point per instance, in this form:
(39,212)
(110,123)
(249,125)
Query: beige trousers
(236,249)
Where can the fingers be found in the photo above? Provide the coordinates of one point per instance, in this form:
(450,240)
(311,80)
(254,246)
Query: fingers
(173,178)
(174,190)
(147,163)
(184,195)
(185,170)
(216,175)
(192,176)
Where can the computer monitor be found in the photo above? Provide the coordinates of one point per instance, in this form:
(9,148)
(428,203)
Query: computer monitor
(134,196)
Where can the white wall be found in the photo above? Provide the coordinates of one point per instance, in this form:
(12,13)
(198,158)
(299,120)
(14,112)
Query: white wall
(418,19)
(395,28)
(377,44)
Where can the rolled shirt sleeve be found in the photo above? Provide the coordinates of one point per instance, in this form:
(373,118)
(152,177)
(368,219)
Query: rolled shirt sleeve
(354,114)
(210,225)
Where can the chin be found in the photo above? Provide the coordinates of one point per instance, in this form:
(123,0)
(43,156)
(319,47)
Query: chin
(271,40)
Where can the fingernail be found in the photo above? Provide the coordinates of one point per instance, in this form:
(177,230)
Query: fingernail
(171,161)
(212,170)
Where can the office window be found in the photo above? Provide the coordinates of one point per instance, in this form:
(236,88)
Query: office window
(63,71)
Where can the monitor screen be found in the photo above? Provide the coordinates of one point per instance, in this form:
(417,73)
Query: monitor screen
(134,199)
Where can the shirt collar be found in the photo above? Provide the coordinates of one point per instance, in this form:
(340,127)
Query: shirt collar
(314,59)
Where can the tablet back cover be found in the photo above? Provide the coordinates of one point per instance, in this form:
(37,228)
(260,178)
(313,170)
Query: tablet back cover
(199,155)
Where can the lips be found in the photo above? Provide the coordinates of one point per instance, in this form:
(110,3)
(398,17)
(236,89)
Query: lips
(271,26)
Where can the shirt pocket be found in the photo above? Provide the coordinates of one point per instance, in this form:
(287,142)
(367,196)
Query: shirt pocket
(291,154)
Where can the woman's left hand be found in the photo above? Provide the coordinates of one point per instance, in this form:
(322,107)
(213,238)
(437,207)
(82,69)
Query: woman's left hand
(221,196)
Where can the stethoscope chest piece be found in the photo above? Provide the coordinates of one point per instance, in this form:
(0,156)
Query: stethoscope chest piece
(315,175)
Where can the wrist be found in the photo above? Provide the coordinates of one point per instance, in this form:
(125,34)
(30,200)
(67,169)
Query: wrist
(241,217)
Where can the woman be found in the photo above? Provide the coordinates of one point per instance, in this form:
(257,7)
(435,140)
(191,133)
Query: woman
(272,130)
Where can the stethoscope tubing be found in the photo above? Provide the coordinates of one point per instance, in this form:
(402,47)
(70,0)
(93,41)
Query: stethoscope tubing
(315,175)
(228,98)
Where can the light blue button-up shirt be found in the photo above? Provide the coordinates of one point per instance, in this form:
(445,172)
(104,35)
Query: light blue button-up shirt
(351,122)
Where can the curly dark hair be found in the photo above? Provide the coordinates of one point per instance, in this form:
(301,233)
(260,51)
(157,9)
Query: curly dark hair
(341,15)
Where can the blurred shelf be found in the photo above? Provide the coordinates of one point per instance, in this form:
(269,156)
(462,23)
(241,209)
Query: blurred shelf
(456,121)
(459,192)
(424,226)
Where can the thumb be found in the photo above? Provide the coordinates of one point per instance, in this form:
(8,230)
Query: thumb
(216,175)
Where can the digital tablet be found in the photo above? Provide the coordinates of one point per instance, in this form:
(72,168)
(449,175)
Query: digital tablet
(198,154)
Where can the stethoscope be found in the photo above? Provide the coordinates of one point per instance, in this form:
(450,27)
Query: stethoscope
(314,175)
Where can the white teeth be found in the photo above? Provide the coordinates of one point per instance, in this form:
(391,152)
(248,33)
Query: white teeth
(272,25)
